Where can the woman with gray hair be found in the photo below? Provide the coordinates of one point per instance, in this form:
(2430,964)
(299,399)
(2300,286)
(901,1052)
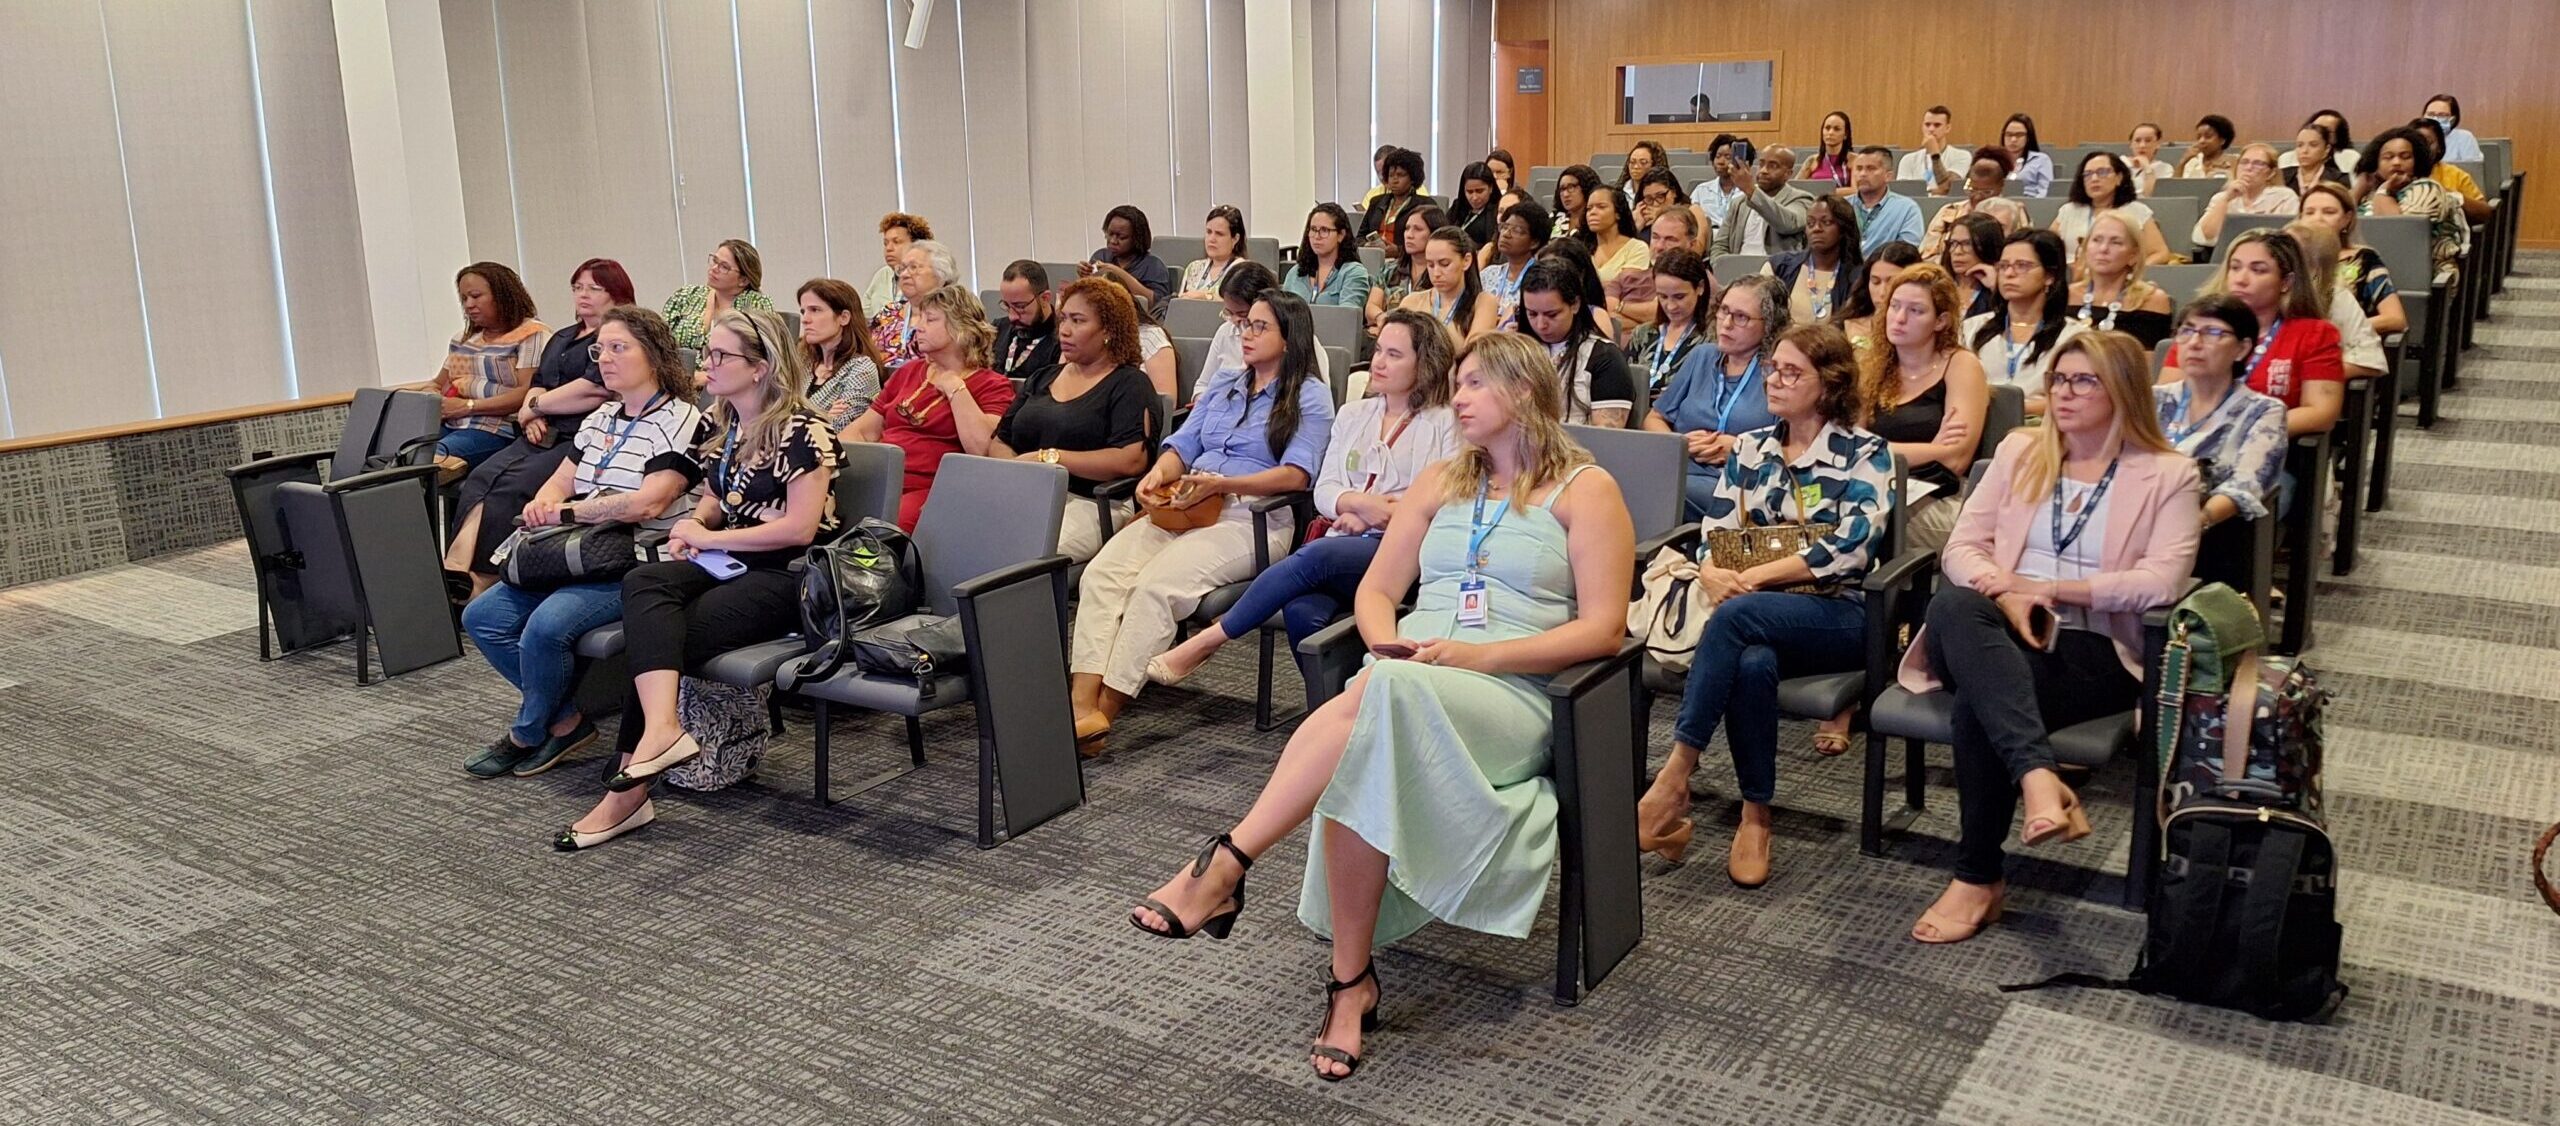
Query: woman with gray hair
(1723,391)
(922,268)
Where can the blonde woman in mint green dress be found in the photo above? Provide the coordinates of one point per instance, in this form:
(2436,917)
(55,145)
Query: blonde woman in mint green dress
(1428,775)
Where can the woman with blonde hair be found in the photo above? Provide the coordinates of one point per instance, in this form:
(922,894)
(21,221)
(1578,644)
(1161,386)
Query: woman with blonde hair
(2081,526)
(2359,347)
(944,401)
(769,467)
(2111,293)
(2360,268)
(1427,777)
(1800,615)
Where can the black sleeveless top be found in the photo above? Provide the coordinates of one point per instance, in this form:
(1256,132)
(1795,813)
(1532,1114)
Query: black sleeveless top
(1917,420)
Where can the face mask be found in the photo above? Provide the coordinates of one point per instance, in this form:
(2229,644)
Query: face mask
(2444,123)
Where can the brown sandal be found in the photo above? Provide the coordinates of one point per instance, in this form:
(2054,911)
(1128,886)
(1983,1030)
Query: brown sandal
(1942,931)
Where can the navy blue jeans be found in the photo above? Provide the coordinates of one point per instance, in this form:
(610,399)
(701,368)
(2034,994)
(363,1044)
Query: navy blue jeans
(1751,642)
(531,638)
(1308,589)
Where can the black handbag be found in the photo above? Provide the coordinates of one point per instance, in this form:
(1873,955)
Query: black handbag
(919,647)
(869,575)
(559,555)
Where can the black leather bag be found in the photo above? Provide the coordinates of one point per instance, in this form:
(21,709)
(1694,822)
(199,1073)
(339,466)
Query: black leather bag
(869,575)
(918,647)
(559,555)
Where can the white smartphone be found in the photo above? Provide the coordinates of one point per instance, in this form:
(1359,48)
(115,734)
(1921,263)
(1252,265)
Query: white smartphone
(721,564)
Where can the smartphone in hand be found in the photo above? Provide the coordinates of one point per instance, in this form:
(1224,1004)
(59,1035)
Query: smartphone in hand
(1394,650)
(2044,627)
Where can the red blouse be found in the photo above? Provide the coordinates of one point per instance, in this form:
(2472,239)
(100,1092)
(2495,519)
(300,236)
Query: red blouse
(916,419)
(2306,350)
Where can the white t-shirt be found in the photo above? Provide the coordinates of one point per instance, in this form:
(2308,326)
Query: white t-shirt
(2088,552)
(1994,353)
(2358,344)
(1359,450)
(1915,164)
(2073,221)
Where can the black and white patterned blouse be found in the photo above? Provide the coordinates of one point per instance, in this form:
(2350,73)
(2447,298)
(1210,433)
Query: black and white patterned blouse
(757,490)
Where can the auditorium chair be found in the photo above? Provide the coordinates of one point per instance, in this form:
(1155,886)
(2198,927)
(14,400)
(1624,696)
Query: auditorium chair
(1595,738)
(356,554)
(868,480)
(987,539)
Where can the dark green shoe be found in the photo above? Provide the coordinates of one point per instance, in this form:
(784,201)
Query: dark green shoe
(555,748)
(496,759)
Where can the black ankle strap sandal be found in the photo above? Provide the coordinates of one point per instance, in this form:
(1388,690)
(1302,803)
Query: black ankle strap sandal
(1368,1023)
(1215,926)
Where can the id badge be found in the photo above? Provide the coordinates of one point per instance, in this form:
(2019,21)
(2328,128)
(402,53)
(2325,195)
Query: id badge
(1808,498)
(1471,602)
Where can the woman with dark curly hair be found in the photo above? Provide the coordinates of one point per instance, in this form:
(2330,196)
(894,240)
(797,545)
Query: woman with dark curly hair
(1088,412)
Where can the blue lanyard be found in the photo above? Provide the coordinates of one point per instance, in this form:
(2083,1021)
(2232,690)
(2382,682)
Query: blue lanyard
(624,438)
(729,470)
(1725,400)
(2062,542)
(1436,314)
(2258,355)
(1668,351)
(2014,352)
(1475,543)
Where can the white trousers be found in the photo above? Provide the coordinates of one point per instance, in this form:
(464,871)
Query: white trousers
(1079,534)
(1142,584)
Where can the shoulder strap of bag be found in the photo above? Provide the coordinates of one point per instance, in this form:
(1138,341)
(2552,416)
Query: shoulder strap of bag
(2258,933)
(2239,710)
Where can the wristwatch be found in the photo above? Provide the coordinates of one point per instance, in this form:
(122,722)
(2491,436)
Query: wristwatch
(1049,456)
(568,514)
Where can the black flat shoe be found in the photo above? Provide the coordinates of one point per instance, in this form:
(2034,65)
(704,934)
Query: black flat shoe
(1368,1023)
(1215,926)
(555,748)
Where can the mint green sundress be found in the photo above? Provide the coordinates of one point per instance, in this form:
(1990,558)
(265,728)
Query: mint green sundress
(1446,769)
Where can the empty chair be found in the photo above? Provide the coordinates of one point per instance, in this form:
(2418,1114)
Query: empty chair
(1730,266)
(1178,251)
(1060,273)
(1265,251)
(2181,283)
(1190,355)
(1339,326)
(357,553)
(1192,317)
(984,540)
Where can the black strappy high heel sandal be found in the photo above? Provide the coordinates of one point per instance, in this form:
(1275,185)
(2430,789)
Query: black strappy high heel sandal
(1368,1023)
(1215,926)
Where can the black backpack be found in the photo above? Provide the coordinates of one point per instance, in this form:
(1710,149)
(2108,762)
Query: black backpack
(2244,911)
(867,576)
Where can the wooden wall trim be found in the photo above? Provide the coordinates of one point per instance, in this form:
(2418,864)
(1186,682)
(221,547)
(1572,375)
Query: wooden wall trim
(2087,71)
(175,422)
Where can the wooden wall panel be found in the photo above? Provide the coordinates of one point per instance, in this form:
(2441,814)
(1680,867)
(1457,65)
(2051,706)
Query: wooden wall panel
(2086,71)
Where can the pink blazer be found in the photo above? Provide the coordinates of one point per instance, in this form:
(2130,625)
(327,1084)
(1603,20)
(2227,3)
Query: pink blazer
(2154,514)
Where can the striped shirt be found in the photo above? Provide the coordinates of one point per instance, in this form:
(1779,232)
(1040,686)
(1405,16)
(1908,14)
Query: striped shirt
(482,366)
(663,439)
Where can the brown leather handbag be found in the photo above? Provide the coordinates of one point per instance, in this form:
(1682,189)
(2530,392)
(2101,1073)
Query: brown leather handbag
(1188,506)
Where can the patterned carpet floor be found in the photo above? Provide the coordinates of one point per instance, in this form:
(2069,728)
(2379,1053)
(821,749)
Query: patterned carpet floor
(255,892)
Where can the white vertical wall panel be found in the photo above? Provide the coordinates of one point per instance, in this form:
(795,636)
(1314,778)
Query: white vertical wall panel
(1353,136)
(551,140)
(711,170)
(857,157)
(189,124)
(1230,140)
(631,189)
(935,134)
(329,317)
(1187,54)
(1062,188)
(996,96)
(1405,75)
(1329,67)
(66,245)
(782,148)
(471,50)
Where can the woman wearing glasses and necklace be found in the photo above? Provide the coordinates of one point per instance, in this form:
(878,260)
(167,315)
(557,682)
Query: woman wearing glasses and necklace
(732,278)
(944,401)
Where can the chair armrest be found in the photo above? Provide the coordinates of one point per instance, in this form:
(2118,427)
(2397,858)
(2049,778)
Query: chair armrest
(1118,488)
(1301,504)
(651,541)
(278,463)
(381,477)
(1579,680)
(1003,577)
(417,451)
(1901,573)
(1684,537)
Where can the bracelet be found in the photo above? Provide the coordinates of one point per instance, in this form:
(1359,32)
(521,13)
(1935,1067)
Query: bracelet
(471,406)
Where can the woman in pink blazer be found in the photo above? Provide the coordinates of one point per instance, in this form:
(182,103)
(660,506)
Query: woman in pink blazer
(2079,526)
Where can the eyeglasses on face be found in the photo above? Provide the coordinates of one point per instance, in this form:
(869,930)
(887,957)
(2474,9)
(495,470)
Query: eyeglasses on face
(721,265)
(2072,386)
(1257,328)
(1787,375)
(617,348)
(716,357)
(2194,334)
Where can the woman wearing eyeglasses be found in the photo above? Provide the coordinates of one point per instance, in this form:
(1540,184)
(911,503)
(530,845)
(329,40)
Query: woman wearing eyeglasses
(2079,527)
(770,466)
(2209,413)
(632,463)
(2254,190)
(732,278)
(564,391)
(2297,356)
(944,401)
(1721,392)
(922,268)
(1795,616)
(2017,341)
(1326,271)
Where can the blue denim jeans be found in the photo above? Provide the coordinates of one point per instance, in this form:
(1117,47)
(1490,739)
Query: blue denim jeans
(531,638)
(1751,642)
(1308,589)
(472,446)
